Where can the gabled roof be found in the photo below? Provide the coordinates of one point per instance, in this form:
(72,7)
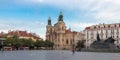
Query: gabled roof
(87,28)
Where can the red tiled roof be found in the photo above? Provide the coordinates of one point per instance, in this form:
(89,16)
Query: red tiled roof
(87,28)
(22,34)
(18,33)
(74,32)
(68,31)
(1,34)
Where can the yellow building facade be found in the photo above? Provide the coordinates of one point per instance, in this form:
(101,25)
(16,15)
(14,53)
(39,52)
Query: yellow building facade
(62,37)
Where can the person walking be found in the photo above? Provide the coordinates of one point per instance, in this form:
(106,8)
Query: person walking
(73,49)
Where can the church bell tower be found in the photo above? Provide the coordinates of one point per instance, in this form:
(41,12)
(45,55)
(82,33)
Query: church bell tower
(48,29)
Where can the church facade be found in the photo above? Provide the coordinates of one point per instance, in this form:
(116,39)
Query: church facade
(62,37)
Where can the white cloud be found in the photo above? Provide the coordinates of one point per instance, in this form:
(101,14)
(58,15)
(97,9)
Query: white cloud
(107,11)
(99,10)
(76,26)
(30,1)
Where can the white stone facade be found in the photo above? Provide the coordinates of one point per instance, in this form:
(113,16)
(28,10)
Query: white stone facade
(104,30)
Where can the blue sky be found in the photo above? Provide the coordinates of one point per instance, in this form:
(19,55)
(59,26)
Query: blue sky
(32,15)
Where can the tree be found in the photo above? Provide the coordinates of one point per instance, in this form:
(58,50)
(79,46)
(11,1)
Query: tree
(48,44)
(39,43)
(80,44)
(16,42)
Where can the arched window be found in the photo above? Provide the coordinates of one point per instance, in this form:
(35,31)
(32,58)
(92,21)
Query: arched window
(62,40)
(70,41)
(62,28)
(67,41)
(117,31)
(58,45)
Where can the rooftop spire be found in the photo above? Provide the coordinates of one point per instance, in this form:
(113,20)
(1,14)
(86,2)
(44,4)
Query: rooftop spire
(60,12)
(60,16)
(49,21)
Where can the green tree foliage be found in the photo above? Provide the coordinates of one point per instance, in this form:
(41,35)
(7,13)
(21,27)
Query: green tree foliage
(39,43)
(11,41)
(80,44)
(48,44)
(16,42)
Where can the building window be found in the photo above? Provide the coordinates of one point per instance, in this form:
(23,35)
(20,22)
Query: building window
(70,41)
(66,41)
(73,41)
(91,33)
(91,37)
(58,40)
(117,31)
(63,35)
(101,33)
(62,28)
(117,37)
(63,40)
(87,35)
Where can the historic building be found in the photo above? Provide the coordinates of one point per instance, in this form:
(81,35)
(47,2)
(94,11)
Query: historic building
(21,35)
(62,37)
(104,30)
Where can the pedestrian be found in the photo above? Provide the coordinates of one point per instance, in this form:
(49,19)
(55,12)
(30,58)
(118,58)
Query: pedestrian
(73,50)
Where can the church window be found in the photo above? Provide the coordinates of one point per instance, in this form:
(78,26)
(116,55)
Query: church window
(73,40)
(63,40)
(58,40)
(58,45)
(62,28)
(70,41)
(67,41)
